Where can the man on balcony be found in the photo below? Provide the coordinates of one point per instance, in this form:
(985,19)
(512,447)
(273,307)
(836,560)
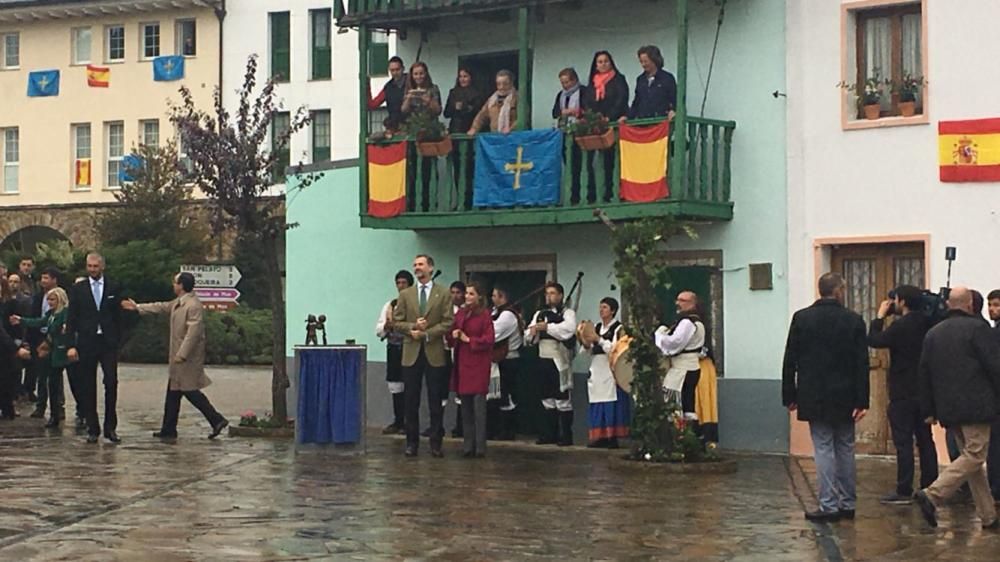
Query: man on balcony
(554,330)
(392,93)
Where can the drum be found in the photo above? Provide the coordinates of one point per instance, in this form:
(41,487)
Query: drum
(621,365)
(586,333)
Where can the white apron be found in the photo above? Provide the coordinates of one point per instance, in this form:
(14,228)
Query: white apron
(601,386)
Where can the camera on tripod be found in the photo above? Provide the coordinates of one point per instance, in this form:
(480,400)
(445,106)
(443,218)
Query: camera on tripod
(934,306)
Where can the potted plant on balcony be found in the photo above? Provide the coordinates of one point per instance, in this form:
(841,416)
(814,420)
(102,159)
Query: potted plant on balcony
(591,131)
(908,88)
(869,95)
(429,133)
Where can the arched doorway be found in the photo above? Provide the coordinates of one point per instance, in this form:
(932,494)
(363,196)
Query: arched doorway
(24,242)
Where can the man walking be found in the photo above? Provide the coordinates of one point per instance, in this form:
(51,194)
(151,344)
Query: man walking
(959,377)
(423,315)
(95,319)
(825,379)
(904,338)
(187,356)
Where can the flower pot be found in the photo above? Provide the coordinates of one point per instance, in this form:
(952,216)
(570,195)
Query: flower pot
(872,111)
(597,142)
(907,108)
(439,148)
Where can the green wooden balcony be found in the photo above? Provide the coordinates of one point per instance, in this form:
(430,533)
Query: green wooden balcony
(392,14)
(699,179)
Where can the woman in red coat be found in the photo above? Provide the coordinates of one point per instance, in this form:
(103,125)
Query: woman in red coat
(472,339)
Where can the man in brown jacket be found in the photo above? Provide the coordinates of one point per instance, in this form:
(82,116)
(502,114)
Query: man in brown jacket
(424,315)
(187,356)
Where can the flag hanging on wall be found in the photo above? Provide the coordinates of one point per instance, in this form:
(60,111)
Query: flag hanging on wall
(168,68)
(82,172)
(521,168)
(386,180)
(644,162)
(98,76)
(43,83)
(969,151)
(131,166)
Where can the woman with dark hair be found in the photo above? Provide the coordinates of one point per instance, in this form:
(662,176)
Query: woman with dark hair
(421,92)
(472,339)
(464,102)
(610,406)
(655,88)
(607,94)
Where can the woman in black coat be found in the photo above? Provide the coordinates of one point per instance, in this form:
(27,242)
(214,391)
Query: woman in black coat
(607,94)
(464,103)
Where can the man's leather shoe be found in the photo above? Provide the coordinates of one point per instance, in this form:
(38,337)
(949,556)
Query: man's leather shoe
(391,429)
(995,525)
(112,437)
(820,516)
(846,514)
(437,453)
(927,508)
(81,423)
(53,423)
(217,428)
(93,438)
(164,435)
(410,451)
(38,413)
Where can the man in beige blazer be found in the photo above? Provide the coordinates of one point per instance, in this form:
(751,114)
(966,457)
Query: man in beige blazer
(424,315)
(187,356)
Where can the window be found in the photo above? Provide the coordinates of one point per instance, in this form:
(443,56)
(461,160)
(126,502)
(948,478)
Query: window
(150,132)
(183,160)
(150,40)
(378,54)
(185,36)
(279,127)
(114,43)
(888,48)
(81,154)
(115,149)
(280,46)
(81,45)
(11,159)
(321,62)
(321,135)
(11,50)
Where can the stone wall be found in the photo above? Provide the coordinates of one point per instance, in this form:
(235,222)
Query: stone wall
(78,223)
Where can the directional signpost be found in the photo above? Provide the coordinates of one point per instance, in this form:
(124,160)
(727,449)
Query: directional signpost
(215,284)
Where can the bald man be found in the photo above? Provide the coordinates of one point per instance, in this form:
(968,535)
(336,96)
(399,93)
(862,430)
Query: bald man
(959,378)
(683,343)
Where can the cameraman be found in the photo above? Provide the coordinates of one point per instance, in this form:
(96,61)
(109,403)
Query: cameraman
(904,338)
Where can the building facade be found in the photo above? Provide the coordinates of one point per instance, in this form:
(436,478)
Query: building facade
(62,151)
(727,178)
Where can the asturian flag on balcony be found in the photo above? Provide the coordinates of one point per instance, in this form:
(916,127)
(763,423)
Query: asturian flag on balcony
(522,168)
(969,151)
(43,83)
(168,68)
(98,76)
(386,179)
(644,162)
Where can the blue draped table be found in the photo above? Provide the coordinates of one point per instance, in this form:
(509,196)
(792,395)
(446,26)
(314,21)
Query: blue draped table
(330,394)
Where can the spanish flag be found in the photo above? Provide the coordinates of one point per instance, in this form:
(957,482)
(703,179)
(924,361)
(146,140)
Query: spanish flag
(644,162)
(98,76)
(82,172)
(969,150)
(386,180)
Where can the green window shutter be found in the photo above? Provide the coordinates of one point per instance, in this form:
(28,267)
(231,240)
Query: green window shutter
(321,63)
(280,47)
(280,123)
(320,135)
(321,22)
(378,59)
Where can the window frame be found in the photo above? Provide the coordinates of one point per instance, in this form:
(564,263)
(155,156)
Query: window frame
(75,58)
(143,56)
(320,156)
(112,161)
(179,37)
(7,164)
(275,54)
(75,129)
(320,57)
(284,155)
(378,54)
(107,44)
(4,53)
(143,133)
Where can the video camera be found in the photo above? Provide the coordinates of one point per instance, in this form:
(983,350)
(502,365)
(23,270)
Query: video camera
(934,306)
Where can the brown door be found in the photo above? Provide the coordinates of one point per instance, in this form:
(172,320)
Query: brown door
(871,271)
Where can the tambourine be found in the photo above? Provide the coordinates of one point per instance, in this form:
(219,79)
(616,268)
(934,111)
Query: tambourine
(586,333)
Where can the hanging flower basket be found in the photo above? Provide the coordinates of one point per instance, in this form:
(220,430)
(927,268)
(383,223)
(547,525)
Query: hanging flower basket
(438,148)
(597,142)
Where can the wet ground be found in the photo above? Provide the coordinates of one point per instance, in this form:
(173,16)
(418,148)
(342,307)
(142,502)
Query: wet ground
(244,499)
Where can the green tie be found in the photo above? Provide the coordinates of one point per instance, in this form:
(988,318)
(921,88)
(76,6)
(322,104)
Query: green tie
(423,299)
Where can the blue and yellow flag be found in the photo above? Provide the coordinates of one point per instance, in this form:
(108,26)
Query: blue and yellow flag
(131,166)
(518,169)
(43,83)
(168,68)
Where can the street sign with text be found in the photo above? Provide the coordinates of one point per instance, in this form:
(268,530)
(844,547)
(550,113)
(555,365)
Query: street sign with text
(216,295)
(213,275)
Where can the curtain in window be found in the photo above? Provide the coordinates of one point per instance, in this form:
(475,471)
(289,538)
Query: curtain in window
(911,47)
(878,53)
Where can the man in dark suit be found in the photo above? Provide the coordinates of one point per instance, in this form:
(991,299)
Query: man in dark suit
(95,320)
(825,379)
(424,315)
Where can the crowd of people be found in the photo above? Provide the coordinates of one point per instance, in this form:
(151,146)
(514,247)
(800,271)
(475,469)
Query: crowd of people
(49,331)
(468,339)
(942,370)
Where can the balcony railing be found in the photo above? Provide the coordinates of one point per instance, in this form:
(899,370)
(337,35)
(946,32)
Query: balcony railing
(392,12)
(439,189)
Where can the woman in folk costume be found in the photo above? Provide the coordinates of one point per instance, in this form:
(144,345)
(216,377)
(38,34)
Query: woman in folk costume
(500,111)
(472,339)
(610,407)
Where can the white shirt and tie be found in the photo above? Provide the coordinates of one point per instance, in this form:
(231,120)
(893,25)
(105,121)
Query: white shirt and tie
(97,289)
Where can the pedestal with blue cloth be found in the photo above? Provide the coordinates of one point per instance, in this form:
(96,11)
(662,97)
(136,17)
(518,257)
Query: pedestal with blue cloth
(331,395)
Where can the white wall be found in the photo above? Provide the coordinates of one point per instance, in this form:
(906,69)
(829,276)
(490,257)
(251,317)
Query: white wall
(247,32)
(884,181)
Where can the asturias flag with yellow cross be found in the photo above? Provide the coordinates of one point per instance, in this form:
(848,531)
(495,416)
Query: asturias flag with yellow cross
(522,168)
(969,151)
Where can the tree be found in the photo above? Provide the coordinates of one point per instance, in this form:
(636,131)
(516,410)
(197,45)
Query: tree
(233,166)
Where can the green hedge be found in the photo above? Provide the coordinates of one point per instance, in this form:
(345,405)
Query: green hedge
(239,337)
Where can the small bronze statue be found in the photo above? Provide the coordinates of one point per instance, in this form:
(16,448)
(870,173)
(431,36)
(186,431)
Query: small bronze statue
(311,327)
(321,327)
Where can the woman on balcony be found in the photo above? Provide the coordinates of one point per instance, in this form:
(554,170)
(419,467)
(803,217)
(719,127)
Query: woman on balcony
(421,92)
(500,111)
(655,88)
(569,101)
(472,339)
(606,94)
(464,102)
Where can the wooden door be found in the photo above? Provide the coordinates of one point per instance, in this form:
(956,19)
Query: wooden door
(871,271)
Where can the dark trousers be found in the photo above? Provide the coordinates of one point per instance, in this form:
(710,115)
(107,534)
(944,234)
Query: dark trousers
(104,354)
(30,380)
(74,388)
(689,392)
(993,460)
(50,387)
(8,390)
(906,424)
(437,384)
(172,409)
(474,423)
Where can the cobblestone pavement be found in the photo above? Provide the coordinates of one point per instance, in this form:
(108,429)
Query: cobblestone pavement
(245,499)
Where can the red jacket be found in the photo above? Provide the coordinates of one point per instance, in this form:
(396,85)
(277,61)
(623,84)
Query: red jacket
(471,373)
